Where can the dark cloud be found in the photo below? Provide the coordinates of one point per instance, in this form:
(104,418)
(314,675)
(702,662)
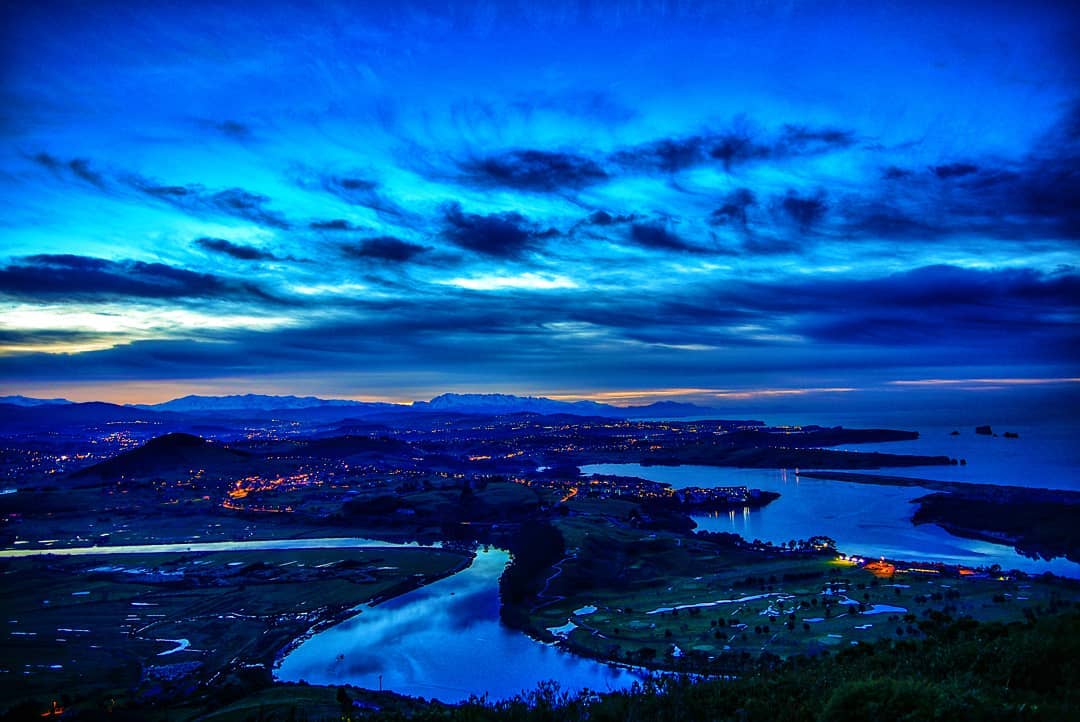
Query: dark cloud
(895,173)
(192,198)
(502,235)
(235,250)
(761,245)
(658,237)
(227,127)
(535,170)
(667,155)
(802,140)
(954,170)
(233,129)
(1035,196)
(950,306)
(337,224)
(806,211)
(385,248)
(733,209)
(603,218)
(737,147)
(939,313)
(81,277)
(364,192)
(733,147)
(881,221)
(78,168)
(196,199)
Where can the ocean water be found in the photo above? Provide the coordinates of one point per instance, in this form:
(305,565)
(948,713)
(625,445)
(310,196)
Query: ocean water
(864,519)
(1046,457)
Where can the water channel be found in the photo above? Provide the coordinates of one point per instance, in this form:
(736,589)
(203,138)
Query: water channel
(445,641)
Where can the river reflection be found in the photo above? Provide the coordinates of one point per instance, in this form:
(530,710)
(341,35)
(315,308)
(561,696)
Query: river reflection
(864,519)
(444,641)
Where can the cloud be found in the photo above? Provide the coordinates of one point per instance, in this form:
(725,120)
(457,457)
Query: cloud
(954,170)
(82,277)
(930,316)
(894,173)
(998,312)
(502,235)
(235,250)
(385,248)
(603,218)
(197,200)
(588,104)
(805,210)
(657,237)
(24,340)
(882,220)
(734,207)
(192,198)
(522,281)
(667,155)
(738,145)
(233,129)
(336,224)
(227,127)
(364,192)
(796,140)
(1034,196)
(757,244)
(78,168)
(535,170)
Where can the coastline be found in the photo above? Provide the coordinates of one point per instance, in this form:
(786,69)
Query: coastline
(1037,523)
(1065,495)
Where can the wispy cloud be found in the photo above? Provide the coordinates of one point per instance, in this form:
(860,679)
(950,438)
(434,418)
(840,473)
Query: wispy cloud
(522,281)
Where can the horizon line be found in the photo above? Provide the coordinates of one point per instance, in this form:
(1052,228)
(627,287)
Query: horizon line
(618,398)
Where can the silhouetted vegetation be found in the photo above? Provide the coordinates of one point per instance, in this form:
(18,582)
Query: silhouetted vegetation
(958,670)
(1045,528)
(534,550)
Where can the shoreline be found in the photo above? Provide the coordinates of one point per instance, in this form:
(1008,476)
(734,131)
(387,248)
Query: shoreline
(1067,495)
(343,615)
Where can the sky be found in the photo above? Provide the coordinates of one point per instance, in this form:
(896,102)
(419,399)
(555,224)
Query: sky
(618,200)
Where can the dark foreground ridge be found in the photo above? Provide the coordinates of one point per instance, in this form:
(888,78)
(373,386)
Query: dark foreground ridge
(960,670)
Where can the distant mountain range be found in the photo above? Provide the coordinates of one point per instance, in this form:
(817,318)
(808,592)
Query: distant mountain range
(478,404)
(28,401)
(499,404)
(249,402)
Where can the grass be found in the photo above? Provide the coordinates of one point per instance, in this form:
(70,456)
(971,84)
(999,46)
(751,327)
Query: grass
(235,609)
(627,573)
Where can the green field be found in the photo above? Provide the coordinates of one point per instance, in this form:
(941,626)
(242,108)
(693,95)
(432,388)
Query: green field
(748,601)
(92,629)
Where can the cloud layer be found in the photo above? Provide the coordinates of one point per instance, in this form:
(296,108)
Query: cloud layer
(576,196)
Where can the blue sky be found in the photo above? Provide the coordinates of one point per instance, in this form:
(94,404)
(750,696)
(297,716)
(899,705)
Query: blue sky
(637,200)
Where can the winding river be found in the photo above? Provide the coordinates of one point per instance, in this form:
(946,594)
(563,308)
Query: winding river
(444,641)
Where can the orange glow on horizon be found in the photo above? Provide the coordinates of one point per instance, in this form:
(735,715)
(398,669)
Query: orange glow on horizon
(153,392)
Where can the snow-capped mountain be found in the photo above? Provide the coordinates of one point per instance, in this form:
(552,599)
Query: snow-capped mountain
(496,404)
